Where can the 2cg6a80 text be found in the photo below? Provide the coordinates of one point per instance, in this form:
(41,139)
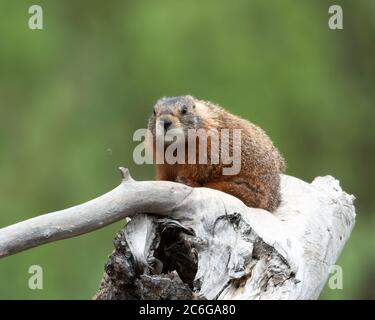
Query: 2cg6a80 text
(210,309)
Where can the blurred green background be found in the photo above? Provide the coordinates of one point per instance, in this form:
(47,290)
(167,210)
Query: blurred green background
(72,94)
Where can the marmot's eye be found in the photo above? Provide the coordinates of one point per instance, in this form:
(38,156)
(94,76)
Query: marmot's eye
(184,109)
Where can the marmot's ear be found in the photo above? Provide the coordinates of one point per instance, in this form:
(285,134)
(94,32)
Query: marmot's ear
(160,100)
(188,96)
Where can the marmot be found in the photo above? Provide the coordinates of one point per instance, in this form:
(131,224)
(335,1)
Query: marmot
(257,183)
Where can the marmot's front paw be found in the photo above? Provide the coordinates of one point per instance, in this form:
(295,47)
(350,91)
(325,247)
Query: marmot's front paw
(188,182)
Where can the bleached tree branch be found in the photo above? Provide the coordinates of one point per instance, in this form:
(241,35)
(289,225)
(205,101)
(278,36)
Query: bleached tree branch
(126,200)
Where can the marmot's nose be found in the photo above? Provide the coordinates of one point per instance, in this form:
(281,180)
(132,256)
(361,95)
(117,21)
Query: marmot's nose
(167,124)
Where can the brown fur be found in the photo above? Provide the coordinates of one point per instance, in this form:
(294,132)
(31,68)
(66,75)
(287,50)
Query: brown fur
(257,184)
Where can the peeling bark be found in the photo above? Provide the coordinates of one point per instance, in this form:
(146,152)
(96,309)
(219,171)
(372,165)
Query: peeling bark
(136,276)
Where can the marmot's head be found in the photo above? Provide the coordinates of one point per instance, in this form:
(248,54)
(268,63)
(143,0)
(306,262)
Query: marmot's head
(175,116)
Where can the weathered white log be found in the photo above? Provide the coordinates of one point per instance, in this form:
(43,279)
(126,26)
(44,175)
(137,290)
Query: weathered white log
(243,253)
(247,253)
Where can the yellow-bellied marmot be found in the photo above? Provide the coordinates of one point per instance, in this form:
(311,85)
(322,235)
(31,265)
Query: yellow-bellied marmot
(257,183)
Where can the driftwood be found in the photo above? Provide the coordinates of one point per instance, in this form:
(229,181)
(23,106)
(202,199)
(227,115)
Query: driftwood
(198,243)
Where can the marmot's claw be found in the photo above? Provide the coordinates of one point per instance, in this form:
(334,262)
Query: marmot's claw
(182,180)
